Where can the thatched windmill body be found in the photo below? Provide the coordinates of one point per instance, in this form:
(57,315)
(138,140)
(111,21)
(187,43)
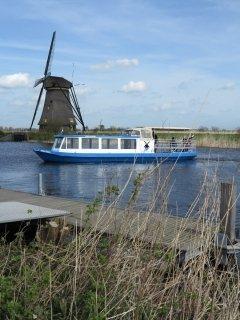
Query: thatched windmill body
(61,109)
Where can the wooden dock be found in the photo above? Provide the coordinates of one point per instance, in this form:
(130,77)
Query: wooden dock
(15,137)
(185,235)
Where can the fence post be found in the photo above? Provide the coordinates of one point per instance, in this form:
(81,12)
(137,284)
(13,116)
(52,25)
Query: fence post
(228,210)
(40,185)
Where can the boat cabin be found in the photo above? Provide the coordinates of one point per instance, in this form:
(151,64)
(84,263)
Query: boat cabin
(102,144)
(136,140)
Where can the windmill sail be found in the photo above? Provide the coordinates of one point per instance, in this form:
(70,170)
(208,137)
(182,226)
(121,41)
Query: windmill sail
(50,56)
(46,72)
(37,105)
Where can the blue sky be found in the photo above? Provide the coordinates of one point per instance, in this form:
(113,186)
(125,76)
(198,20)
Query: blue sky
(141,62)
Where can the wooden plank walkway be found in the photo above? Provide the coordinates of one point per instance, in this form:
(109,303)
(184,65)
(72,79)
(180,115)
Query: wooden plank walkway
(184,234)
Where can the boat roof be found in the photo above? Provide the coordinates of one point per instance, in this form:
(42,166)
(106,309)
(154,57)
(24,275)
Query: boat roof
(163,128)
(76,135)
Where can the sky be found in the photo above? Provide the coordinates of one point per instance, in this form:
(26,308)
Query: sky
(133,62)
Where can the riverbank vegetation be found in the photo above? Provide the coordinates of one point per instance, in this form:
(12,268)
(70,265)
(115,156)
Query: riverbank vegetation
(98,275)
(209,139)
(102,277)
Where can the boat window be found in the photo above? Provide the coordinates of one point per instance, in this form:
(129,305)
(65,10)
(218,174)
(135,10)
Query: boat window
(135,133)
(128,144)
(109,143)
(72,143)
(132,132)
(146,133)
(58,142)
(90,143)
(64,144)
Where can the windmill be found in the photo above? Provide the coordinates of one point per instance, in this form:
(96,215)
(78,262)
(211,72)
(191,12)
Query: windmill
(61,110)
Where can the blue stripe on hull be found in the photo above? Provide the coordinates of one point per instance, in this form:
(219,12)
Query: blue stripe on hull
(62,157)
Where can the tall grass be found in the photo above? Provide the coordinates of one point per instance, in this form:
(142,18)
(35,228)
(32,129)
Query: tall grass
(41,136)
(218,140)
(121,272)
(209,139)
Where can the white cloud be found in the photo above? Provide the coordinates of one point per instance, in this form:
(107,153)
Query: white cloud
(167,105)
(127,62)
(15,80)
(83,90)
(132,86)
(109,64)
(228,86)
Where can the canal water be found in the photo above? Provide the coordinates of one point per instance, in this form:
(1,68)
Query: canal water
(19,168)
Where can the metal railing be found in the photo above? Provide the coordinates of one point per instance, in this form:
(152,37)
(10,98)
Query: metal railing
(178,145)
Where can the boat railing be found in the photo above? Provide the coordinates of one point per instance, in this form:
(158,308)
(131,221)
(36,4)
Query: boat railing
(178,145)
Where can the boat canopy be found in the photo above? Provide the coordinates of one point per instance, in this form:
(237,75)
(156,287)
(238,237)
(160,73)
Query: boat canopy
(148,132)
(145,133)
(173,129)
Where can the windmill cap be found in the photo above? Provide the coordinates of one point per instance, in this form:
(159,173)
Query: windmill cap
(51,82)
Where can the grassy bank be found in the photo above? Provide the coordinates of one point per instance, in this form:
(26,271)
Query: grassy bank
(100,277)
(219,140)
(40,136)
(95,276)
(210,139)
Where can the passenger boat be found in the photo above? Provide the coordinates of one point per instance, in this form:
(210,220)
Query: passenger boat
(138,145)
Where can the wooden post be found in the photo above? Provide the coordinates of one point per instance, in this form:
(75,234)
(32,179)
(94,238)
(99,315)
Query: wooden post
(228,210)
(40,185)
(221,249)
